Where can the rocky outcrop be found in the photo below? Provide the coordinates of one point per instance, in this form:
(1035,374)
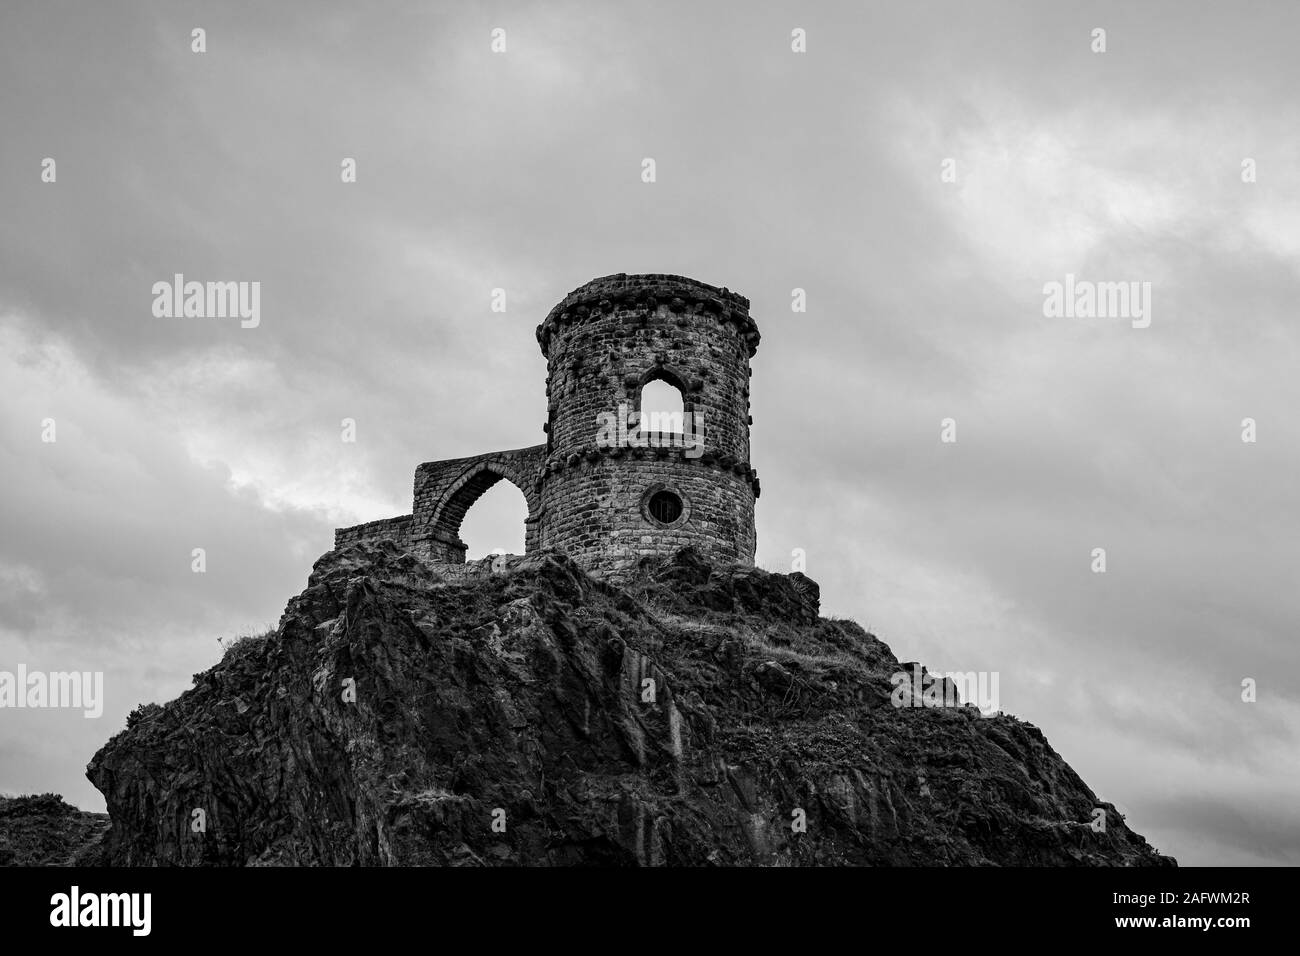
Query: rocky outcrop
(531,715)
(42,830)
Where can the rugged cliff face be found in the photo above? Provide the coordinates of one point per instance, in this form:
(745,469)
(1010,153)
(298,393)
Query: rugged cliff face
(504,718)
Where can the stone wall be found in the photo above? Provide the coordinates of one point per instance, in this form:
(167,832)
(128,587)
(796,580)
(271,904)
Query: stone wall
(394,529)
(607,339)
(597,511)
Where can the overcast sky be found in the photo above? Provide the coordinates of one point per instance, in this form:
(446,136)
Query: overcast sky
(775,170)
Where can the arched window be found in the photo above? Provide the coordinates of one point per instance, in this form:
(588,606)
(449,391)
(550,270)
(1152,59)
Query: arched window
(662,408)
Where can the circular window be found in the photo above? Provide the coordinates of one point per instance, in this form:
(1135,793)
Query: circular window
(664,507)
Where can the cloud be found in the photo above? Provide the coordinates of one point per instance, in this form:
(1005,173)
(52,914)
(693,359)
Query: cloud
(100,525)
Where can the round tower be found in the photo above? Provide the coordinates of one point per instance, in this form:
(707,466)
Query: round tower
(616,487)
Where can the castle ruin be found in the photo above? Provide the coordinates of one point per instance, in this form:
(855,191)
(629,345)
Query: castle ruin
(608,498)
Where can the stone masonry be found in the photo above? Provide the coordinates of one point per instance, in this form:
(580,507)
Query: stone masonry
(608,503)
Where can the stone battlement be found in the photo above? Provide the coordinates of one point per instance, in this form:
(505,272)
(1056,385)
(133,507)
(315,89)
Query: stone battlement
(681,296)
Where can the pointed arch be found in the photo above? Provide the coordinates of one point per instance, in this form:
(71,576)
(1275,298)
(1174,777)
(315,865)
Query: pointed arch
(446,490)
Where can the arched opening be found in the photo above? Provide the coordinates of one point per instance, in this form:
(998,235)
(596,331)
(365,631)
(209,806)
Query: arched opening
(494,524)
(486,514)
(662,408)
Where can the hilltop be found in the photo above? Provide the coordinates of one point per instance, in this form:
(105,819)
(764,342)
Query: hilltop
(523,713)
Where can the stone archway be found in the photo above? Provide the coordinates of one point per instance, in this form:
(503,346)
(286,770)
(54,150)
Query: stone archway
(458,488)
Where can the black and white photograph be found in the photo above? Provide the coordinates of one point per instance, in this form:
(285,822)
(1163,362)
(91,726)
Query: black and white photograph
(738,438)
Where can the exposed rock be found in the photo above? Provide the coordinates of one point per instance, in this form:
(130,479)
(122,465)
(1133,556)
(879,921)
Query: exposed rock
(42,830)
(517,697)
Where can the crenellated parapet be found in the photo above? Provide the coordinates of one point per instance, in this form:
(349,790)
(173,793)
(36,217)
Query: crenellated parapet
(643,294)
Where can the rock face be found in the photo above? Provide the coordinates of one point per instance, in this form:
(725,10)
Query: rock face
(506,718)
(42,830)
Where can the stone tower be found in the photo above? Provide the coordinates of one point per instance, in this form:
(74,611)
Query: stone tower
(607,504)
(608,488)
